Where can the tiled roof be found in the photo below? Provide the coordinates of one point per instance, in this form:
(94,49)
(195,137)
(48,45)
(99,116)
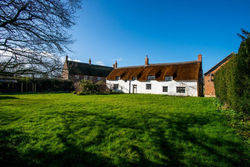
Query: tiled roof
(78,68)
(179,71)
(220,63)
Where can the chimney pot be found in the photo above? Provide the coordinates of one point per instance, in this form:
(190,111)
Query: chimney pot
(115,66)
(200,57)
(146,61)
(89,61)
(67,57)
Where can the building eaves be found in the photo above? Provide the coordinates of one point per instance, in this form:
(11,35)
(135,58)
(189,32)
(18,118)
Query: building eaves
(219,64)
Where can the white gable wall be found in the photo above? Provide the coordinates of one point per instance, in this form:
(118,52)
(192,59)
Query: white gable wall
(191,87)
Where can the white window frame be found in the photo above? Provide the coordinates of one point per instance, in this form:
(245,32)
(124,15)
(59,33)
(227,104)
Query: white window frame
(151,77)
(115,86)
(134,78)
(147,86)
(85,77)
(181,88)
(168,78)
(164,87)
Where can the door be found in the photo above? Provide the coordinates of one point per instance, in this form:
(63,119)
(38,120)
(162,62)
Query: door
(134,88)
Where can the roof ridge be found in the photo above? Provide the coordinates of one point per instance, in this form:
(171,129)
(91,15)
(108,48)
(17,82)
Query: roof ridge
(160,64)
(185,62)
(88,64)
(219,63)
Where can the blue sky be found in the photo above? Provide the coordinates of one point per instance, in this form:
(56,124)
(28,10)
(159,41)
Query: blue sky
(165,30)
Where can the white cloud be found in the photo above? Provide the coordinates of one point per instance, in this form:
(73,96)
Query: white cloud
(99,63)
(76,60)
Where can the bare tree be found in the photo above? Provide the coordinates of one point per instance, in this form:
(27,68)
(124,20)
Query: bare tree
(33,35)
(244,34)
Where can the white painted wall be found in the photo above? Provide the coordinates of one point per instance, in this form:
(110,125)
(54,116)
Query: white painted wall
(191,87)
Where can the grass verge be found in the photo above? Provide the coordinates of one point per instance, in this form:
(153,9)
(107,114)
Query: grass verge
(117,130)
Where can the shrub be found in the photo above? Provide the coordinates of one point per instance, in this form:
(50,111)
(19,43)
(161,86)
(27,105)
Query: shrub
(77,87)
(102,87)
(232,81)
(86,87)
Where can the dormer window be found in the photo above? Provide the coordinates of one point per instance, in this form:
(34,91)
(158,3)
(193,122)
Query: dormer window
(117,78)
(151,77)
(168,78)
(85,77)
(134,78)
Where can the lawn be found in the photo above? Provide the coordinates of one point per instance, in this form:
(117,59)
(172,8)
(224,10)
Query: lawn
(117,130)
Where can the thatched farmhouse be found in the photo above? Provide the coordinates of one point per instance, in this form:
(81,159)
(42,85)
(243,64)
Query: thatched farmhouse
(77,71)
(180,79)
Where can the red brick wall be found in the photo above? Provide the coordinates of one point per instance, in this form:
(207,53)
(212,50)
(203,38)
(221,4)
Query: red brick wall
(209,86)
(209,83)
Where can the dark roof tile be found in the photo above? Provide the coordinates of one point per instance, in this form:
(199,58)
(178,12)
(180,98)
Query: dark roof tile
(77,68)
(219,64)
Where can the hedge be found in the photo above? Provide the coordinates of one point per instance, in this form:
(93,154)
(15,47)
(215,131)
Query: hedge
(232,81)
(36,85)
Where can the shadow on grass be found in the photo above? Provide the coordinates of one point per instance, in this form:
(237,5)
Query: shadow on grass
(70,156)
(7,97)
(176,127)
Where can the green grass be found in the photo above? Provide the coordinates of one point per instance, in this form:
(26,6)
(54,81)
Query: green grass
(117,130)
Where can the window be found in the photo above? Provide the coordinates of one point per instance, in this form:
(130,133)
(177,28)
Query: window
(85,77)
(99,78)
(168,78)
(212,77)
(148,86)
(117,78)
(180,89)
(151,77)
(134,78)
(164,89)
(115,86)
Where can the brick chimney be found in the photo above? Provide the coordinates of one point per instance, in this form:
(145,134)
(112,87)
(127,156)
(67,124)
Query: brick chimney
(89,61)
(200,57)
(115,65)
(146,61)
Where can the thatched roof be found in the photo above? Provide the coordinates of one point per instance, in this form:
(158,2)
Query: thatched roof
(179,71)
(77,68)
